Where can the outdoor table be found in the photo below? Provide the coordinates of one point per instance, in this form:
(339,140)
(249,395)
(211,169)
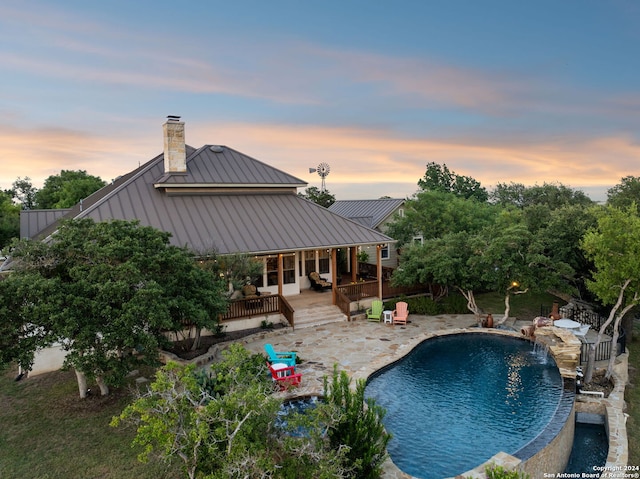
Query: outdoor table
(567,323)
(388,316)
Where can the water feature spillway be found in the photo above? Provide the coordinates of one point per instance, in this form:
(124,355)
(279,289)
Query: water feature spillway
(455,401)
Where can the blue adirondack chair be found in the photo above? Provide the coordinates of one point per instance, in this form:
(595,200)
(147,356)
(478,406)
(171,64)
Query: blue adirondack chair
(375,311)
(288,358)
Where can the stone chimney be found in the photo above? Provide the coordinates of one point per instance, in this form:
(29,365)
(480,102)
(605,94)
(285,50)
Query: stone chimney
(175,155)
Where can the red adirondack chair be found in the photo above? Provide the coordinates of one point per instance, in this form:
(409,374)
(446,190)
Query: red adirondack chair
(284,376)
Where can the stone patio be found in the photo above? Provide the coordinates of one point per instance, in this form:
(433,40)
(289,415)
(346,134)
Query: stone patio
(361,347)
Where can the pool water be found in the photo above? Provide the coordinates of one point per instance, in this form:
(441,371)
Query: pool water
(590,448)
(295,406)
(455,401)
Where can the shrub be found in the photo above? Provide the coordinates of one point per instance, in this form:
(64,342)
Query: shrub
(499,472)
(454,304)
(359,426)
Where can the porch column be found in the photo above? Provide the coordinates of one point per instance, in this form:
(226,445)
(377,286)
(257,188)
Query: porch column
(353,250)
(379,265)
(280,273)
(334,275)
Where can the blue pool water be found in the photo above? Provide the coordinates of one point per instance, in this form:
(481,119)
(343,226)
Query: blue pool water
(455,401)
(590,448)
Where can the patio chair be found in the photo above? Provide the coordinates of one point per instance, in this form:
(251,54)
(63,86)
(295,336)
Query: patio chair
(374,313)
(250,291)
(317,282)
(582,331)
(284,376)
(288,358)
(401,313)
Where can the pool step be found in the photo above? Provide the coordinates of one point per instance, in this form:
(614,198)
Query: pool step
(318,315)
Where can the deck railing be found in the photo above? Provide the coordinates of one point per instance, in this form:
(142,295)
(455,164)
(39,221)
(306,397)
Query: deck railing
(359,290)
(344,303)
(260,306)
(603,351)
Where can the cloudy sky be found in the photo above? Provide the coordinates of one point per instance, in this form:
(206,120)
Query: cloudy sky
(500,90)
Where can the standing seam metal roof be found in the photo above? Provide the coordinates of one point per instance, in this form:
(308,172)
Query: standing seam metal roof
(370,213)
(226,223)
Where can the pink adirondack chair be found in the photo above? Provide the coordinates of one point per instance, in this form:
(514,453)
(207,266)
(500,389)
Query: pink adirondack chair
(401,313)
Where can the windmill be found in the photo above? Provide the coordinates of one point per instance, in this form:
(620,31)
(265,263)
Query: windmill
(322,170)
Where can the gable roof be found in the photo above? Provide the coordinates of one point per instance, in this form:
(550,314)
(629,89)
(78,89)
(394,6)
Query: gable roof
(227,202)
(217,165)
(370,213)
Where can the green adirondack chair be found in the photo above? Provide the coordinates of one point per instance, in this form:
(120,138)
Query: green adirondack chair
(374,313)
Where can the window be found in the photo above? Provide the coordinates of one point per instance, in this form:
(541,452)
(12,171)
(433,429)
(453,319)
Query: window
(401,213)
(288,269)
(418,240)
(272,271)
(309,261)
(323,264)
(384,252)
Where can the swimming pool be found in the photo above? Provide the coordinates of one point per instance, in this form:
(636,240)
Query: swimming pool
(590,444)
(455,401)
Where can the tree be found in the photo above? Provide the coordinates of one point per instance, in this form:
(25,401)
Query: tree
(559,237)
(222,424)
(9,220)
(439,178)
(504,256)
(107,292)
(550,195)
(322,198)
(614,248)
(24,191)
(67,189)
(624,193)
(433,214)
(442,261)
(209,421)
(234,269)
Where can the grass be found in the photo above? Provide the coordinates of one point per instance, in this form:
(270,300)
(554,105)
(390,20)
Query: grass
(632,397)
(523,306)
(49,432)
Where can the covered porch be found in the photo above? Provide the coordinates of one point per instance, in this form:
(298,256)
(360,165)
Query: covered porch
(345,296)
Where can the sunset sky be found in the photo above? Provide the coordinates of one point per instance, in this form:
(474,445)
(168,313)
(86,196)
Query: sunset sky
(499,90)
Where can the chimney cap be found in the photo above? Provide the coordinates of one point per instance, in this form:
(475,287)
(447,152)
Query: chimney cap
(173,118)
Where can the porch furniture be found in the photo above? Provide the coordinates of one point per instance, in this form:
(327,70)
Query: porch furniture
(582,331)
(401,313)
(388,316)
(375,311)
(317,282)
(250,291)
(567,324)
(288,357)
(284,376)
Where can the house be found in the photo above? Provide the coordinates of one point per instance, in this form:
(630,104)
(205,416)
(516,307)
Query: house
(374,214)
(217,199)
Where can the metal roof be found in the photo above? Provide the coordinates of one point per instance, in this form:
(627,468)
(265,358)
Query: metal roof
(205,217)
(34,221)
(221,165)
(370,213)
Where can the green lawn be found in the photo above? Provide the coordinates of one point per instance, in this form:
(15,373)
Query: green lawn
(523,306)
(47,431)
